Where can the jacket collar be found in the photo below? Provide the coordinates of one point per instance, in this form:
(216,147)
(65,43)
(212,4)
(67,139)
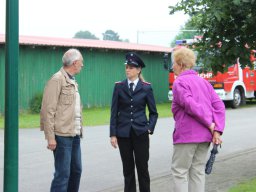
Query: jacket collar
(135,82)
(188,72)
(125,86)
(137,88)
(66,76)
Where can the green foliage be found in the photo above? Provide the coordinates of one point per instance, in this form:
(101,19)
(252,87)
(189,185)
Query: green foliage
(112,36)
(231,22)
(85,35)
(35,103)
(108,35)
(126,40)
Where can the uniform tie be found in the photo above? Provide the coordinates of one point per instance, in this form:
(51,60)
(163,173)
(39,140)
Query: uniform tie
(131,87)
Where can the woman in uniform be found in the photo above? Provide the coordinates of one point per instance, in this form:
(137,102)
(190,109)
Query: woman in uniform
(129,125)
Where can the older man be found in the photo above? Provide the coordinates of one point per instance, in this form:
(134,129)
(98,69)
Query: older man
(61,123)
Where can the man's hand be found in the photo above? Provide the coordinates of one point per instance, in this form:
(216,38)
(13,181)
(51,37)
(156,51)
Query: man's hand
(113,141)
(52,144)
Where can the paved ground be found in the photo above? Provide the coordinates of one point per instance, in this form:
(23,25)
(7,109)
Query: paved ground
(102,169)
(228,171)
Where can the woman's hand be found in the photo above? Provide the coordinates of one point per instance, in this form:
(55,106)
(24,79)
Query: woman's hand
(212,126)
(216,139)
(113,141)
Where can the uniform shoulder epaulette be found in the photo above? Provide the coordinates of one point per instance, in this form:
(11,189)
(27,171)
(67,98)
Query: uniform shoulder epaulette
(118,82)
(146,83)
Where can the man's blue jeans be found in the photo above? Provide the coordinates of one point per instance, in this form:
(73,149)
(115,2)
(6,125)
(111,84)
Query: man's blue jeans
(68,165)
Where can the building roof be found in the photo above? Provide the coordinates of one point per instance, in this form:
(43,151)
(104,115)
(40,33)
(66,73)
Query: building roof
(86,43)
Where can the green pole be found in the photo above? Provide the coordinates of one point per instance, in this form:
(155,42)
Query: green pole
(11,97)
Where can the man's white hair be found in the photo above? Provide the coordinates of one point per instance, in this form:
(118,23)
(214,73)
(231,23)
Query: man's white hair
(70,56)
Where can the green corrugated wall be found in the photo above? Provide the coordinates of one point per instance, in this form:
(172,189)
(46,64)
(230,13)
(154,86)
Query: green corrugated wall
(102,68)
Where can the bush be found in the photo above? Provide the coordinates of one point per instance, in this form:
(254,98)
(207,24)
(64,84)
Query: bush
(35,103)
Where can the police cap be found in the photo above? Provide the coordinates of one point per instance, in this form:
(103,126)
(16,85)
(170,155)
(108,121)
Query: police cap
(133,59)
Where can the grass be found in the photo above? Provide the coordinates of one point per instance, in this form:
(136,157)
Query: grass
(248,186)
(94,116)
(91,116)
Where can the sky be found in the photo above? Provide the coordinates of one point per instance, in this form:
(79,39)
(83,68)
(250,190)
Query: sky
(140,21)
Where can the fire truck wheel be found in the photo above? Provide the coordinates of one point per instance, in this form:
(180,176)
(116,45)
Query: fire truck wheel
(236,102)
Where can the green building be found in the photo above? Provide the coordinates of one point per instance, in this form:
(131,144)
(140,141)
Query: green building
(40,58)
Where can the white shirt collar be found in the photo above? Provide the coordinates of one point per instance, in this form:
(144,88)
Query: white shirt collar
(135,83)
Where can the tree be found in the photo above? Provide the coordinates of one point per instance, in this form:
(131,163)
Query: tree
(227,28)
(188,31)
(111,36)
(126,40)
(85,35)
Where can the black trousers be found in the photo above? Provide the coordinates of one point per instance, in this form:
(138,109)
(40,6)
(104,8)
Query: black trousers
(135,151)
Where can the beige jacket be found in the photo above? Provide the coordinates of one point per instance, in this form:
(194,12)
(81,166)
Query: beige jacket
(57,115)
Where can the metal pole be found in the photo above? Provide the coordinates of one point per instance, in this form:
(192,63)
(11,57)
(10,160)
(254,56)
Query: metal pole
(11,97)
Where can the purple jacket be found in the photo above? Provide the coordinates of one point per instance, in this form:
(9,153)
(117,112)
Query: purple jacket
(195,106)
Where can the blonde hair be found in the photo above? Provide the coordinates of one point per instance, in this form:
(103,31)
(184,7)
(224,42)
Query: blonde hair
(184,57)
(141,77)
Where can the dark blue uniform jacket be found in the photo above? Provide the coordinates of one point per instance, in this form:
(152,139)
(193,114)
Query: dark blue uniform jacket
(128,111)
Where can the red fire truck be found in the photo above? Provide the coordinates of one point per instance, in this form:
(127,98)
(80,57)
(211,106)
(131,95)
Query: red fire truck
(234,86)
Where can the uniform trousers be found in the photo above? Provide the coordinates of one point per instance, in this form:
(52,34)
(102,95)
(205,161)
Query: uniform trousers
(188,167)
(135,151)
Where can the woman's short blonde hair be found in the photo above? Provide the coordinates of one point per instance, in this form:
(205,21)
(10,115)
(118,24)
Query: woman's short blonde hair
(184,57)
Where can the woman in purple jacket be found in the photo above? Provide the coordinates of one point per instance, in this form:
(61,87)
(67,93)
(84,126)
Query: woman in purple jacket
(199,116)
